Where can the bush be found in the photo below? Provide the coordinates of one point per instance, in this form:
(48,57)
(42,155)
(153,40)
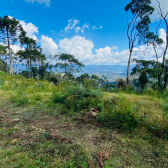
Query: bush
(120,115)
(77,97)
(20,99)
(120,83)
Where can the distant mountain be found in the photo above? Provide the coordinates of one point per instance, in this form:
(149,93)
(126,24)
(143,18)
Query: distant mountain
(113,72)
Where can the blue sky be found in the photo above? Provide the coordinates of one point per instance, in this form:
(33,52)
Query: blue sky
(94,31)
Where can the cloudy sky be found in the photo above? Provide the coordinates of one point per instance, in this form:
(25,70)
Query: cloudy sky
(94,31)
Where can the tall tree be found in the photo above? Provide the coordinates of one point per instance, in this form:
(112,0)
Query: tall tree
(32,55)
(163,17)
(9,29)
(156,42)
(138,26)
(67,64)
(27,54)
(3,52)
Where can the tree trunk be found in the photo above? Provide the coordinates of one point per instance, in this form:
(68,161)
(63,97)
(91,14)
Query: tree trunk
(129,61)
(159,79)
(164,55)
(10,57)
(165,78)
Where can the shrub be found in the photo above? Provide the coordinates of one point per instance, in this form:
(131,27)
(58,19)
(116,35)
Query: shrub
(77,97)
(120,83)
(58,97)
(120,115)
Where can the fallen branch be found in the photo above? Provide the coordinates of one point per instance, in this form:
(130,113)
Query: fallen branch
(101,156)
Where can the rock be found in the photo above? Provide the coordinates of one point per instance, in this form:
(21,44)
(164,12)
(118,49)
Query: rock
(16,120)
(3,110)
(34,128)
(41,130)
(93,109)
(14,142)
(93,114)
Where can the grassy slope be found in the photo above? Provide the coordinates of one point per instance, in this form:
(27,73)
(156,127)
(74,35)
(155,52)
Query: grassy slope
(37,135)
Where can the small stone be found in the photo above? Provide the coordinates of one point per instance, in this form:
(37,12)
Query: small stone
(94,114)
(13,142)
(16,120)
(3,110)
(34,128)
(93,109)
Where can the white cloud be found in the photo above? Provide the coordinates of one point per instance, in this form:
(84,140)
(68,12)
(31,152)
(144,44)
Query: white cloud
(114,47)
(164,7)
(107,56)
(16,48)
(48,45)
(82,49)
(162,34)
(47,2)
(79,47)
(94,27)
(52,31)
(71,24)
(85,26)
(30,29)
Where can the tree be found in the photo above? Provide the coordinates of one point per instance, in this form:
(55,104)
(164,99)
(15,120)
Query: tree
(163,17)
(120,83)
(146,72)
(138,27)
(32,55)
(9,28)
(27,55)
(3,52)
(83,77)
(143,80)
(66,65)
(156,42)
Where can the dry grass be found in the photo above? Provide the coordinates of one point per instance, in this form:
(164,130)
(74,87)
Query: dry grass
(148,105)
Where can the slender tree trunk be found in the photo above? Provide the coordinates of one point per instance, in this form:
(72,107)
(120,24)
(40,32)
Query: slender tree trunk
(159,79)
(6,63)
(164,55)
(159,74)
(10,57)
(129,61)
(165,78)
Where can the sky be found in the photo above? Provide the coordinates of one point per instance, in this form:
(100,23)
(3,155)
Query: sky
(94,31)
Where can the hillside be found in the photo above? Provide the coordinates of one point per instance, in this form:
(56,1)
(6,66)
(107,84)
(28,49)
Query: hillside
(43,125)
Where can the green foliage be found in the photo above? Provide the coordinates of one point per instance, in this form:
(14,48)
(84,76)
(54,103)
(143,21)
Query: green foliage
(20,99)
(10,28)
(66,65)
(143,80)
(120,83)
(58,97)
(119,116)
(79,160)
(2,79)
(77,97)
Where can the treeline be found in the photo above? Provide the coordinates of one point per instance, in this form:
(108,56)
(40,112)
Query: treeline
(32,63)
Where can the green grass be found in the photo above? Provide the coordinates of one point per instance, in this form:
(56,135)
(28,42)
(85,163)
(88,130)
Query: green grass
(41,126)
